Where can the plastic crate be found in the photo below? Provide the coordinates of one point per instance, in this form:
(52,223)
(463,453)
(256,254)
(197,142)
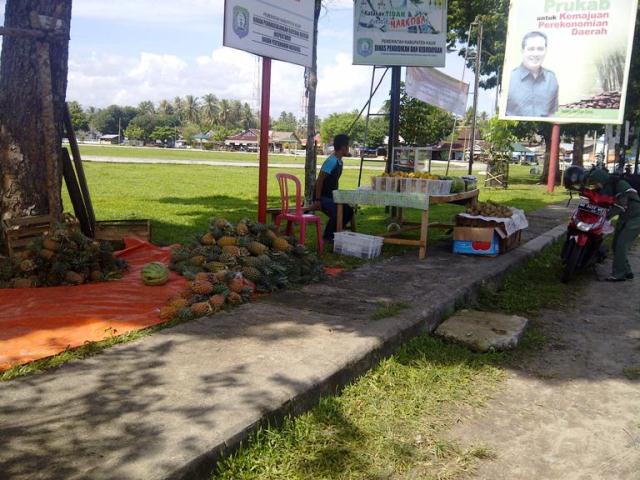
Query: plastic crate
(357,244)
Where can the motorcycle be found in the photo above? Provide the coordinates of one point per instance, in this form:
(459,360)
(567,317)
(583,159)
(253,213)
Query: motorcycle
(583,247)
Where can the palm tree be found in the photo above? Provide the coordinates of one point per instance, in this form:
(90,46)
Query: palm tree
(210,108)
(146,107)
(223,114)
(178,107)
(191,108)
(165,107)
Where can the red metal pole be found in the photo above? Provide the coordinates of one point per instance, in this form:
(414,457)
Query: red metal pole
(553,158)
(263,174)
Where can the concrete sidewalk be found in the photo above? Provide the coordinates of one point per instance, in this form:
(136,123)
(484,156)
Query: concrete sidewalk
(167,406)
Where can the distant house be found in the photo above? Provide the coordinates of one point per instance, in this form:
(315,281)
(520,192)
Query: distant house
(246,141)
(522,154)
(110,139)
(281,141)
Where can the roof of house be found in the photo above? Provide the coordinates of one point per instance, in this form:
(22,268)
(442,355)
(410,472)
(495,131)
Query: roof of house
(283,136)
(109,136)
(518,147)
(250,135)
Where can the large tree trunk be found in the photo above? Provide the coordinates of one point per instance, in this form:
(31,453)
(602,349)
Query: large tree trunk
(310,164)
(578,150)
(33,85)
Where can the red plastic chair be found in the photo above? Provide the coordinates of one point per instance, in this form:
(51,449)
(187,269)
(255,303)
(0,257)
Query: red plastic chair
(297,215)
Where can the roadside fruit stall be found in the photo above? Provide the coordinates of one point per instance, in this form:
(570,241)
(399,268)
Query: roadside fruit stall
(409,190)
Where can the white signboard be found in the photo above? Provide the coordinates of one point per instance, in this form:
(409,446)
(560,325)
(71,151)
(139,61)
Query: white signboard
(568,61)
(437,89)
(278,29)
(400,32)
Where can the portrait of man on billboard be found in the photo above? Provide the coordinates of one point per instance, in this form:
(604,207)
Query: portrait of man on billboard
(533,90)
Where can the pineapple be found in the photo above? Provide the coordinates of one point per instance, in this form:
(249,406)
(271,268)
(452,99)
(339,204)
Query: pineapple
(234,298)
(208,239)
(231,250)
(168,312)
(236,283)
(178,303)
(47,254)
(215,266)
(242,229)
(50,244)
(227,241)
(197,261)
(202,288)
(217,301)
(202,277)
(228,259)
(200,309)
(251,273)
(257,248)
(282,245)
(74,278)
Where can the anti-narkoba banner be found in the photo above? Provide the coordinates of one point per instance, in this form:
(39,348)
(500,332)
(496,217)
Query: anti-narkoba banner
(437,89)
(278,29)
(400,32)
(567,61)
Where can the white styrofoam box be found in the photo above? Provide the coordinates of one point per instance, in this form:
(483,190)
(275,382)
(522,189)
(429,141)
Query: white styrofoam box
(357,244)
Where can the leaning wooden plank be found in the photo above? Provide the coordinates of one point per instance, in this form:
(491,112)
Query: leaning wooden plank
(77,161)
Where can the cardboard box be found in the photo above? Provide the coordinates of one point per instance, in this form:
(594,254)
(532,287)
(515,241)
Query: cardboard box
(506,242)
(476,241)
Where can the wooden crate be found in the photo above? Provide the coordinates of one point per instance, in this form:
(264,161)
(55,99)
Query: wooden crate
(116,230)
(20,231)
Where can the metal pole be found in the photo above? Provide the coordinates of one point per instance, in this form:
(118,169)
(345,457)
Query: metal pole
(264,140)
(553,158)
(394,115)
(475,96)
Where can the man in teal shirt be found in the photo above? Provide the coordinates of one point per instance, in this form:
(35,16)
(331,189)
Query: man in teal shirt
(327,182)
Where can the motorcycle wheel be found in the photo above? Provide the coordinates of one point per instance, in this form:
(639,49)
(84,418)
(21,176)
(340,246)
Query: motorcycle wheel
(573,260)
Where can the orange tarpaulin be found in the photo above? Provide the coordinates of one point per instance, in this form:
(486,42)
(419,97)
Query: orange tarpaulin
(40,322)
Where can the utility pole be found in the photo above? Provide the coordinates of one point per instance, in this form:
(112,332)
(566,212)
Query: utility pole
(119,139)
(394,114)
(478,24)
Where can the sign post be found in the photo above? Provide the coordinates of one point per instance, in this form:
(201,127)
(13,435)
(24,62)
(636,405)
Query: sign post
(553,158)
(263,174)
(281,30)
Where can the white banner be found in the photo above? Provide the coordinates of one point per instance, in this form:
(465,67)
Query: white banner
(278,29)
(400,32)
(437,89)
(568,61)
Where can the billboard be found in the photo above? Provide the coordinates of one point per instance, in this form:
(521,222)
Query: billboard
(281,30)
(400,32)
(567,61)
(437,89)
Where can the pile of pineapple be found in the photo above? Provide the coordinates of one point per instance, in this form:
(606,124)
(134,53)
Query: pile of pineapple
(490,209)
(63,256)
(219,261)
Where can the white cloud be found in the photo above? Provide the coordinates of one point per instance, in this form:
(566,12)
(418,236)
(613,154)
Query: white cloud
(147,11)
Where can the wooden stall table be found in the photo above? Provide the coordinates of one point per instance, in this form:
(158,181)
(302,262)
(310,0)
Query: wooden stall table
(402,200)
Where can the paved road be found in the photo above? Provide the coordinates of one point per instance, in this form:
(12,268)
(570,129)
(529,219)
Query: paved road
(222,163)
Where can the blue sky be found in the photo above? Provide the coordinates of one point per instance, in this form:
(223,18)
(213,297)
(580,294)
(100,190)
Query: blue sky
(125,51)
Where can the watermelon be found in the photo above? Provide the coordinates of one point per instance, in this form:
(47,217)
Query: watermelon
(154,274)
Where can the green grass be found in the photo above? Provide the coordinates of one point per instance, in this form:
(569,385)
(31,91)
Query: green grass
(388,309)
(537,285)
(389,424)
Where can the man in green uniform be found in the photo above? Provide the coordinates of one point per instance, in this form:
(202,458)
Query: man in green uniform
(627,209)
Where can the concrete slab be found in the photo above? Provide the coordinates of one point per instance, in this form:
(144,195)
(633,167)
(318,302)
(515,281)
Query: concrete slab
(169,405)
(483,331)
